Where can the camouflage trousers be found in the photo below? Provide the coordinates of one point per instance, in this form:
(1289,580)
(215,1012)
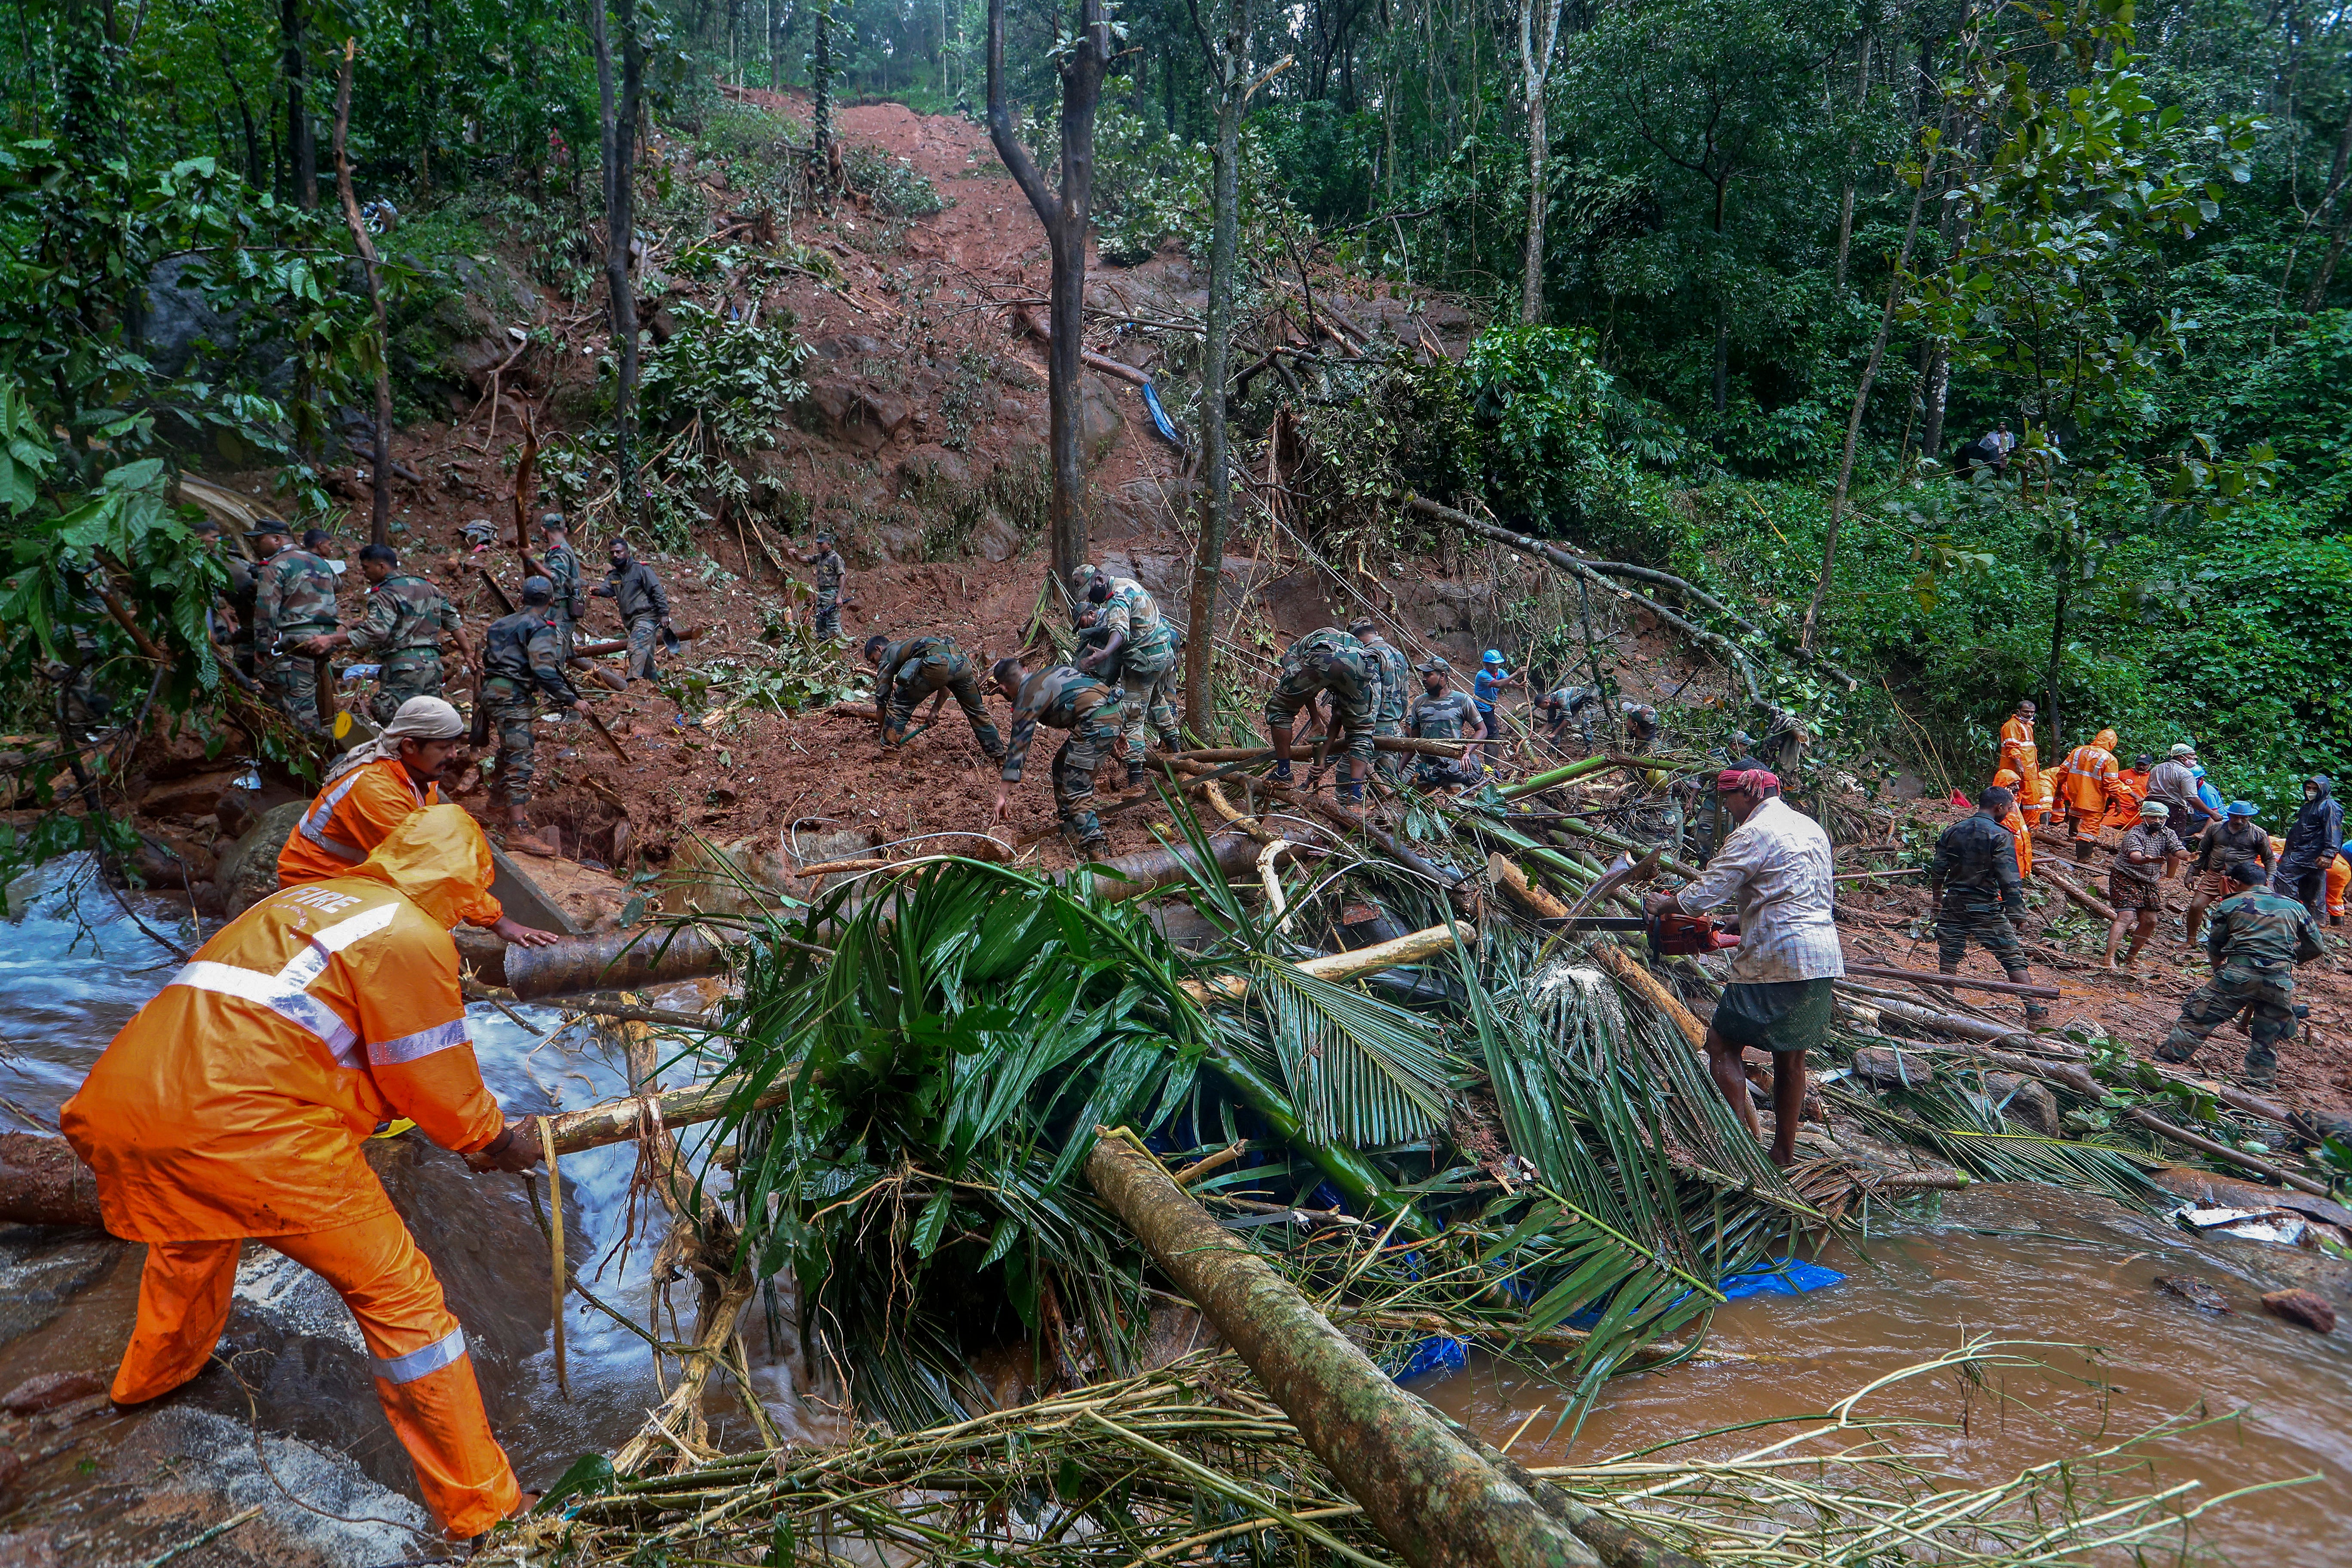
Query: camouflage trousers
(1960,925)
(958,679)
(1390,765)
(1073,776)
(828,612)
(513,712)
(1147,677)
(644,631)
(409,672)
(1438,773)
(293,679)
(1352,706)
(2237,988)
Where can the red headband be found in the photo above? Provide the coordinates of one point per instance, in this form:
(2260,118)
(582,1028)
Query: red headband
(1747,781)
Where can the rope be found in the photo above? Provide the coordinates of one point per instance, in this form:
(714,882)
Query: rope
(555,1238)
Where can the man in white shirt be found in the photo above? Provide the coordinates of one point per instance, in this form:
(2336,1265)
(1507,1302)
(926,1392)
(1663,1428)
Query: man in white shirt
(1776,866)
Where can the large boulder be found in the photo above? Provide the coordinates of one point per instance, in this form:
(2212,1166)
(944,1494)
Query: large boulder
(1099,419)
(248,870)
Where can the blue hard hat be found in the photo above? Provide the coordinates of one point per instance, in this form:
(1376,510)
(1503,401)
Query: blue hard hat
(1494,658)
(2241,809)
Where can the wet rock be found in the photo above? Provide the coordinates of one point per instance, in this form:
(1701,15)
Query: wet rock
(188,1454)
(43,1267)
(194,796)
(1099,419)
(2196,1292)
(15,1549)
(1884,1066)
(2303,1307)
(2025,1102)
(247,872)
(50,1389)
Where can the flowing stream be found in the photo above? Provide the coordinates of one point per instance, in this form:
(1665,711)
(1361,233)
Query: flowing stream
(2072,1275)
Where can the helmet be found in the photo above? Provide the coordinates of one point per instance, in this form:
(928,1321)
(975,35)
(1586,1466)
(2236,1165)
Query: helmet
(537,590)
(2183,749)
(2240,808)
(1493,657)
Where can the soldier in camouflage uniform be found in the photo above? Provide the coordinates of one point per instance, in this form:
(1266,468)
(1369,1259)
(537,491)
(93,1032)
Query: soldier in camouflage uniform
(293,601)
(1060,698)
(2256,938)
(1396,693)
(402,625)
(522,657)
(1139,655)
(830,567)
(1440,713)
(1977,894)
(914,668)
(1328,660)
(559,564)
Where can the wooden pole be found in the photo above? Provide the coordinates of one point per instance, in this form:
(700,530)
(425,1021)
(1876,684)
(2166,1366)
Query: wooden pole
(1436,1500)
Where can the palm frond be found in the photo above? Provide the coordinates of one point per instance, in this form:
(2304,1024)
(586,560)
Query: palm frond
(1360,1070)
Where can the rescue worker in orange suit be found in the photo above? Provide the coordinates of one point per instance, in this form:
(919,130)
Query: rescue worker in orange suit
(373,789)
(2014,820)
(2123,809)
(2019,755)
(2339,875)
(235,1105)
(2088,784)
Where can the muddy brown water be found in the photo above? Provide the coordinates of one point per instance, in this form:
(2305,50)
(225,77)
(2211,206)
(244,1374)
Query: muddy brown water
(2074,1276)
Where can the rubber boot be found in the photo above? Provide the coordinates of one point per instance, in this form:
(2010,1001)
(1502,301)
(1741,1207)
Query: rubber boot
(2035,1012)
(1135,775)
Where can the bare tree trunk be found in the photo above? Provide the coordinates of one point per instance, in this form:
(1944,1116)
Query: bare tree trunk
(1230,66)
(821,84)
(1845,193)
(1535,69)
(1861,402)
(302,148)
(380,510)
(1064,217)
(618,114)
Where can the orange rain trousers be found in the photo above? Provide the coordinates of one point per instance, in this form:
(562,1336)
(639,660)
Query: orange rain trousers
(423,1375)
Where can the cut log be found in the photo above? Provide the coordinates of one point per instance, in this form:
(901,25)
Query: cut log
(1954,982)
(1429,1493)
(1411,948)
(2073,890)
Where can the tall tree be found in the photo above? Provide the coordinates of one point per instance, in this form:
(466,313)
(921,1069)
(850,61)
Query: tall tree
(1229,67)
(379,513)
(1535,75)
(301,147)
(617,121)
(820,85)
(1084,59)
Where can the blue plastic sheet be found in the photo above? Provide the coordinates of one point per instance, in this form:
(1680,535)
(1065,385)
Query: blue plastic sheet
(1160,417)
(1787,1277)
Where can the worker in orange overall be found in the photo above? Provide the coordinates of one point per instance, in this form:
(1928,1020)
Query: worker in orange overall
(2019,755)
(2087,786)
(2122,808)
(373,789)
(235,1105)
(2014,820)
(2339,874)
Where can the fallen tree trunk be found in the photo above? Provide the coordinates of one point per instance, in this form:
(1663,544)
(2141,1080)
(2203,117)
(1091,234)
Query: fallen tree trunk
(1411,948)
(1597,570)
(1952,981)
(2072,1076)
(1567,562)
(1436,1501)
(2073,889)
(1406,745)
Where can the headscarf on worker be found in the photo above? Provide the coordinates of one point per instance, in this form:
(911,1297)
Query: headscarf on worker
(369,793)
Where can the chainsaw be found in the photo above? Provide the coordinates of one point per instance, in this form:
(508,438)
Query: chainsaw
(1669,934)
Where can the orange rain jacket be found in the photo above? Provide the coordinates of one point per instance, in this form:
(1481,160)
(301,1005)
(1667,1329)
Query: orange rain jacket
(2015,822)
(2020,756)
(2339,874)
(235,1103)
(351,817)
(2122,808)
(2088,781)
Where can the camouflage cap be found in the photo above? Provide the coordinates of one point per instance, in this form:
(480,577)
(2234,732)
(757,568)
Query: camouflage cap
(537,590)
(1082,575)
(1435,666)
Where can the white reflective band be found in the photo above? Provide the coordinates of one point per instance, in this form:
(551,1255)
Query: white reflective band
(286,993)
(450,1349)
(289,1002)
(314,822)
(423,1043)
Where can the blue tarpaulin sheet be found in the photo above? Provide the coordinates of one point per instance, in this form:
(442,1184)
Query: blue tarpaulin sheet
(1789,1277)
